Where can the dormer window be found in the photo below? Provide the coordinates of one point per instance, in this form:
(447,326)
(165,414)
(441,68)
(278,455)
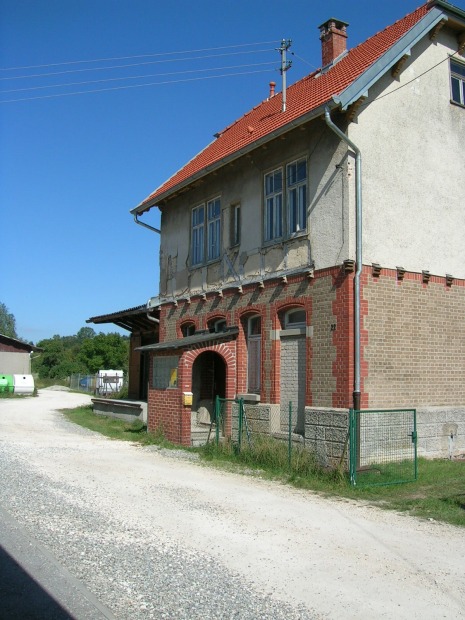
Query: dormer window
(457,82)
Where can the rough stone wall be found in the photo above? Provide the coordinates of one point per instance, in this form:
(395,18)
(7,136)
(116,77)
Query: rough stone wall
(326,434)
(415,351)
(441,431)
(440,434)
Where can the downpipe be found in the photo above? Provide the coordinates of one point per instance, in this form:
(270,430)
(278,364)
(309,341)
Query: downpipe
(358,252)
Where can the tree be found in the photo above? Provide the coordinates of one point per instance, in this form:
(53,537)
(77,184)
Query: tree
(105,351)
(84,333)
(7,322)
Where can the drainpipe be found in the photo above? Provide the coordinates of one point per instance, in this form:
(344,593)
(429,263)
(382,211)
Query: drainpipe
(137,221)
(358,252)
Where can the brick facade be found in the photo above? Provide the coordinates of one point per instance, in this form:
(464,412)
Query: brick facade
(321,351)
(412,344)
(414,353)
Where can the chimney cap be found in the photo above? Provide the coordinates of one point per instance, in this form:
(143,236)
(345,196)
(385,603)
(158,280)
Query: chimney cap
(340,25)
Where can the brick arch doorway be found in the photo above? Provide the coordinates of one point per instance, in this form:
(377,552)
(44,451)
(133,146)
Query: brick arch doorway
(208,381)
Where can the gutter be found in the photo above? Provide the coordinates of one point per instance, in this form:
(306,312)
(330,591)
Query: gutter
(137,221)
(358,251)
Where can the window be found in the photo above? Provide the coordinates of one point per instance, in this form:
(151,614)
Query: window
(274,205)
(297,196)
(217,325)
(214,228)
(294,210)
(295,318)
(457,82)
(165,372)
(254,345)
(235,225)
(198,219)
(188,329)
(206,232)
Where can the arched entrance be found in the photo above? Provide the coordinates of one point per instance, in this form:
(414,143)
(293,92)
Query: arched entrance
(208,381)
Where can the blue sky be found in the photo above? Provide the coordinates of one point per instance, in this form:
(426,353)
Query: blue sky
(72,166)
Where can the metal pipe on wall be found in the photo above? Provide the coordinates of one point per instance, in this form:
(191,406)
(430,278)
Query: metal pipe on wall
(358,252)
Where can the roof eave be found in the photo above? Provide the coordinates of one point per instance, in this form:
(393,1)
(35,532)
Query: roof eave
(305,118)
(360,86)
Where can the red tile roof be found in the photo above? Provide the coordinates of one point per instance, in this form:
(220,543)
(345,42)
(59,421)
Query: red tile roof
(304,96)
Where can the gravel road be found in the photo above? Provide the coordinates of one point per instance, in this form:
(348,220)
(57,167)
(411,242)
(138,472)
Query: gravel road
(152,535)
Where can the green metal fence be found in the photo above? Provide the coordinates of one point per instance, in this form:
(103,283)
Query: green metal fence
(247,425)
(383,446)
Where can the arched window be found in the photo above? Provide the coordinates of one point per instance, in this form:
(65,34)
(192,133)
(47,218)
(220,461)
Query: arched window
(188,329)
(296,317)
(217,325)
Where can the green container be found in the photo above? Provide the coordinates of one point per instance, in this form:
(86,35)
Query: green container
(6,383)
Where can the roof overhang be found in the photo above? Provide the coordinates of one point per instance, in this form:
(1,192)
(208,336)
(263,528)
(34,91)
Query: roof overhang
(360,87)
(298,122)
(190,341)
(20,344)
(133,319)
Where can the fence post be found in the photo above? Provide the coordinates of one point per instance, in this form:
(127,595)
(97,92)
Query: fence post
(217,420)
(241,415)
(289,447)
(352,447)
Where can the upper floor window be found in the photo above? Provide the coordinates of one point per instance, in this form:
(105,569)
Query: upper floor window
(457,81)
(293,210)
(206,232)
(214,228)
(297,196)
(235,225)
(274,205)
(198,224)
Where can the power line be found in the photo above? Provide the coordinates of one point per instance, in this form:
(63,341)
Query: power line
(140,64)
(194,51)
(137,77)
(100,90)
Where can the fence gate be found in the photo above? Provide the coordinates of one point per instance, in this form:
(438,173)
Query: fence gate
(383,446)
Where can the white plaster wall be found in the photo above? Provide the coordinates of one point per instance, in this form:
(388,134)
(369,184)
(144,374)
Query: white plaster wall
(412,144)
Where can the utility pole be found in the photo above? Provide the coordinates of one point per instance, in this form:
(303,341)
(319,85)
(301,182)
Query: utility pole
(285,65)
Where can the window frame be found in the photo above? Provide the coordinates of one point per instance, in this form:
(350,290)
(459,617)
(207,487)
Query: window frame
(273,200)
(301,206)
(458,77)
(282,221)
(235,225)
(198,230)
(213,224)
(254,355)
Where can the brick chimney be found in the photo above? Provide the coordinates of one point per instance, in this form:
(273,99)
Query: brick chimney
(333,40)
